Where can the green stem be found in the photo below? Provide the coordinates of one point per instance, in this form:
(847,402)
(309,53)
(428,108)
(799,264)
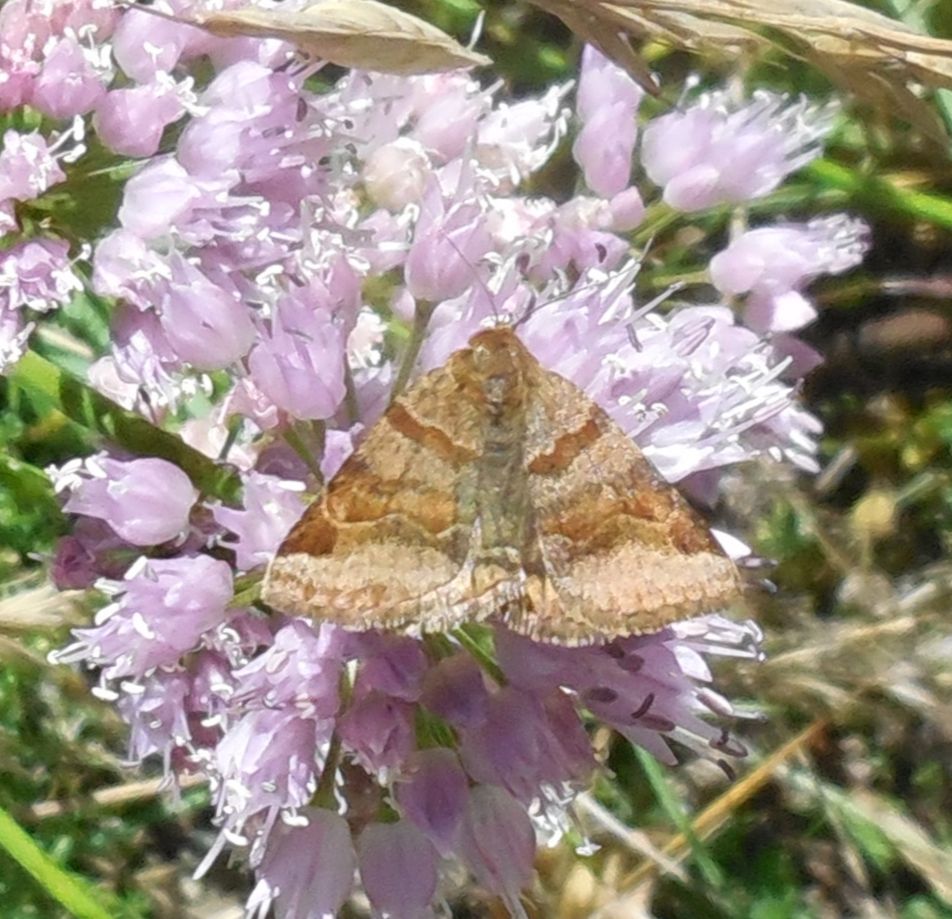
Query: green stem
(84,406)
(880,194)
(300,446)
(464,635)
(421,319)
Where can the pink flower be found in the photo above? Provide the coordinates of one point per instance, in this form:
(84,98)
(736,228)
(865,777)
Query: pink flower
(164,606)
(126,268)
(772,264)
(378,730)
(28,166)
(271,506)
(91,551)
(714,153)
(432,793)
(301,669)
(145,45)
(68,84)
(299,363)
(449,241)
(163,197)
(608,101)
(497,843)
(307,870)
(398,868)
(157,715)
(145,501)
(265,272)
(130,121)
(37,275)
(395,174)
(204,320)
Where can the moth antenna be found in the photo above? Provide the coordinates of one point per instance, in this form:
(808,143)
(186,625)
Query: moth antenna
(477,280)
(530,309)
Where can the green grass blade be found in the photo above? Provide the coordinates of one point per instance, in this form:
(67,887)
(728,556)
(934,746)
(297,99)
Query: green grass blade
(670,804)
(80,403)
(74,893)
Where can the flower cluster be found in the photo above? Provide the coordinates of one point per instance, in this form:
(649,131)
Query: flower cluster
(276,259)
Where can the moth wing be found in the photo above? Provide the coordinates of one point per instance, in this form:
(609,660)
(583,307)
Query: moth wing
(389,541)
(617,549)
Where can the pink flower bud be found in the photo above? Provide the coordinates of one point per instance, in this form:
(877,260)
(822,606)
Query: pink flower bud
(395,174)
(68,84)
(131,121)
(397,868)
(432,794)
(497,843)
(206,323)
(308,868)
(146,501)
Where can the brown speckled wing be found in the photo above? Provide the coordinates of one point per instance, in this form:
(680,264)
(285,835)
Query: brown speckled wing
(619,550)
(388,543)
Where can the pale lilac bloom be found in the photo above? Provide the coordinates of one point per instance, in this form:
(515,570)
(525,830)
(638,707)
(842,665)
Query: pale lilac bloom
(265,761)
(513,141)
(92,550)
(432,793)
(103,375)
(145,501)
(130,121)
(378,730)
(455,689)
(285,243)
(447,244)
(271,506)
(205,320)
(14,333)
(300,669)
(23,33)
(307,872)
(68,84)
(398,870)
(163,608)
(773,264)
(145,45)
(28,166)
(447,114)
(390,663)
(126,268)
(298,362)
(37,275)
(50,56)
(163,197)
(497,843)
(607,103)
(716,153)
(527,744)
(396,174)
(157,714)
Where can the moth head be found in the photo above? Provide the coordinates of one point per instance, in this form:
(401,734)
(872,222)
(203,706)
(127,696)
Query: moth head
(497,365)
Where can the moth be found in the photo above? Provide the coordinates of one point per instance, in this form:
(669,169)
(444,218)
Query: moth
(495,488)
